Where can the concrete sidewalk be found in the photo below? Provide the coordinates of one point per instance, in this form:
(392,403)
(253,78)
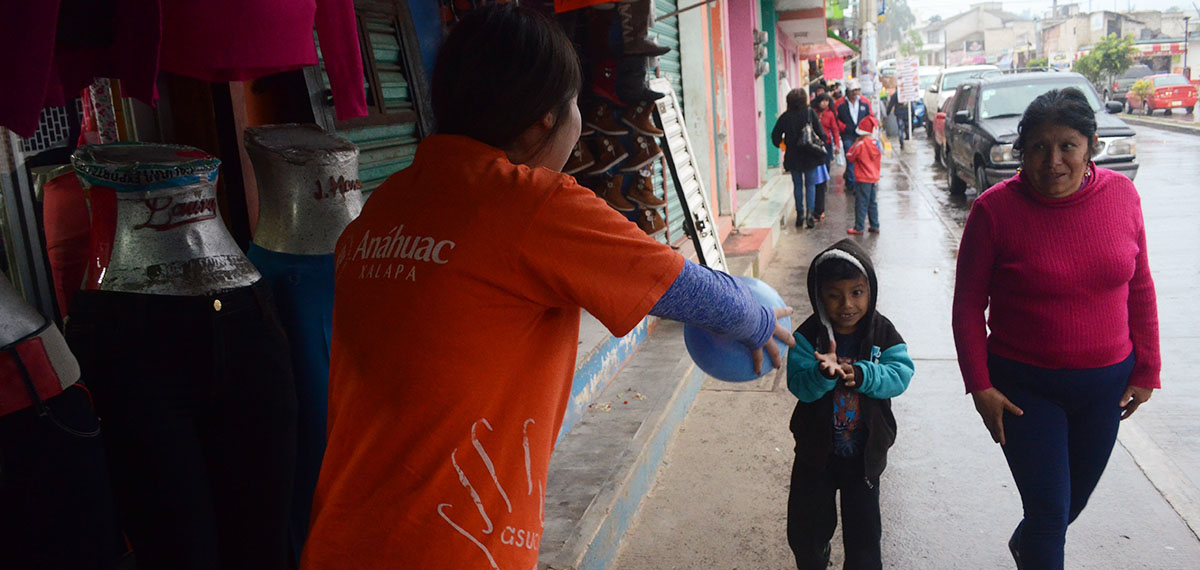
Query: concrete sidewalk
(948,498)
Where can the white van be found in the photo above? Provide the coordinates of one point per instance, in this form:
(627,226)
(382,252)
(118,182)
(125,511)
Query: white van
(944,87)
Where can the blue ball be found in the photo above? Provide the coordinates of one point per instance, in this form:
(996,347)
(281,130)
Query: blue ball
(727,359)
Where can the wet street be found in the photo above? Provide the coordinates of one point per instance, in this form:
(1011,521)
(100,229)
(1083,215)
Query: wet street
(948,498)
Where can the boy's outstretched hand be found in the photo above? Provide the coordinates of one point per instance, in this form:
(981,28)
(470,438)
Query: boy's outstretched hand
(828,362)
(849,375)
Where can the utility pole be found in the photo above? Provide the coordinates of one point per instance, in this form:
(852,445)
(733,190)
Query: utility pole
(1186,72)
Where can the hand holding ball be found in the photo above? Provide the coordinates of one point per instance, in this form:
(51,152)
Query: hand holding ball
(727,359)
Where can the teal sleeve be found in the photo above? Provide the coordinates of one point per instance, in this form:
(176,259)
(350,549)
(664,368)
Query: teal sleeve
(804,377)
(887,379)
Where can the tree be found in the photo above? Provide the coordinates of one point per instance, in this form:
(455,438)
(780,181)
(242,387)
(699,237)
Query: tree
(912,45)
(1089,67)
(895,27)
(1039,62)
(1114,55)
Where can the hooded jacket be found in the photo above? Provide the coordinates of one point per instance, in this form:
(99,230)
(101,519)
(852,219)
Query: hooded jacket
(882,365)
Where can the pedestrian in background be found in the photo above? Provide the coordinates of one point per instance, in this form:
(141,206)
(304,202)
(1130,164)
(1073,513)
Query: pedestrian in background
(808,168)
(1056,256)
(849,112)
(865,156)
(833,146)
(847,364)
(457,309)
(899,110)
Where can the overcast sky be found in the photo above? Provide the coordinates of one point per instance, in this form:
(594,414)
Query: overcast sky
(926,8)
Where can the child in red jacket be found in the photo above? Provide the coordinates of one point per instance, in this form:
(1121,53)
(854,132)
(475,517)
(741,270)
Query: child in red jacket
(865,154)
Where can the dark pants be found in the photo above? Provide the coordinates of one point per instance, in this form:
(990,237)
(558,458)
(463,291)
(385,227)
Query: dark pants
(819,207)
(812,514)
(804,191)
(200,423)
(56,506)
(848,175)
(1058,449)
(866,208)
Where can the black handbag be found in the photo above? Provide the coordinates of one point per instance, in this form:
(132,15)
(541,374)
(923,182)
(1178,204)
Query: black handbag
(810,143)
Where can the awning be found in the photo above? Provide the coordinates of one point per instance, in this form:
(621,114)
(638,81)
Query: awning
(829,49)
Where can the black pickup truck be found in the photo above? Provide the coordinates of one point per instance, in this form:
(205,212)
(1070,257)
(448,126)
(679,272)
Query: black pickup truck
(982,125)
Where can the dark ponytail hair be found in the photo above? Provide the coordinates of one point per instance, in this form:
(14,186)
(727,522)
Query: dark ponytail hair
(501,69)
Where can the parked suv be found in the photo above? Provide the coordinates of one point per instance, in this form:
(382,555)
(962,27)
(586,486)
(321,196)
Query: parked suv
(982,126)
(1116,89)
(942,88)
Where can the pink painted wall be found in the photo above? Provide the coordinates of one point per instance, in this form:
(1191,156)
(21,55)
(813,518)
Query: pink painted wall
(747,128)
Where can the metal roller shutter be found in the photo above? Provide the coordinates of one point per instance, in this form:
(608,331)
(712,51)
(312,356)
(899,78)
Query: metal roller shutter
(387,138)
(668,66)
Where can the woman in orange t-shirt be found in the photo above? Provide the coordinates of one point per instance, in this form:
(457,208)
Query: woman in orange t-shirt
(457,309)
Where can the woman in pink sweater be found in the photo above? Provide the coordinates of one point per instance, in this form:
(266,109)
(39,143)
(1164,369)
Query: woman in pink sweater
(1057,257)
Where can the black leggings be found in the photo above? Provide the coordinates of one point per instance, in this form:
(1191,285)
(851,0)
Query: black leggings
(199,416)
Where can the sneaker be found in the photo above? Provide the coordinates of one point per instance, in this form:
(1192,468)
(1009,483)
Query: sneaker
(645,151)
(854,232)
(651,222)
(599,117)
(581,158)
(609,153)
(874,230)
(611,193)
(641,118)
(642,193)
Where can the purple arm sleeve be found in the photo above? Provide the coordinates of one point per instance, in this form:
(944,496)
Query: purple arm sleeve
(716,301)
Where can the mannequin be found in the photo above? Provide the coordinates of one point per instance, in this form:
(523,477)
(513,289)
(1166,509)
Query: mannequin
(179,340)
(58,510)
(309,191)
(161,237)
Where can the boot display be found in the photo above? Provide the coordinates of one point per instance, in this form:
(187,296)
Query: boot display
(636,19)
(599,116)
(609,154)
(631,80)
(642,192)
(651,222)
(645,151)
(641,117)
(581,159)
(611,192)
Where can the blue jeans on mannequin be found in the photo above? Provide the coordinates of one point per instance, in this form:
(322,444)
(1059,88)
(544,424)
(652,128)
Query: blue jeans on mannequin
(865,206)
(804,181)
(1059,448)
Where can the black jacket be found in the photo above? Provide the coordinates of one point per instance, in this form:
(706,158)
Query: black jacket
(882,364)
(787,130)
(848,123)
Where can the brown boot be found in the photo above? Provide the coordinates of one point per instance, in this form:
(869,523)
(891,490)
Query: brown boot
(581,159)
(640,117)
(612,194)
(645,151)
(642,193)
(609,153)
(600,117)
(651,222)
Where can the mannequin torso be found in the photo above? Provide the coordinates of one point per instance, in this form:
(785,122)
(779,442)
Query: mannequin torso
(156,225)
(308,185)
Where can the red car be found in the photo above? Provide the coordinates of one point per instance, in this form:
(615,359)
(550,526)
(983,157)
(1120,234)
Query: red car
(1171,91)
(939,132)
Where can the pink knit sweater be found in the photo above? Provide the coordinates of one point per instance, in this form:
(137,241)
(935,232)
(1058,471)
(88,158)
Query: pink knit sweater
(1065,281)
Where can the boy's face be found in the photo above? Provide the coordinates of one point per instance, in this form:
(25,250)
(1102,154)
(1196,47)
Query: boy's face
(846,302)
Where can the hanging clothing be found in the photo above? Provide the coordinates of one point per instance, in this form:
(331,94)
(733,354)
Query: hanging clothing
(66,44)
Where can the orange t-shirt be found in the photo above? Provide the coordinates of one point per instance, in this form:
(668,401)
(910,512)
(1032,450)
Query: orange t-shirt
(455,325)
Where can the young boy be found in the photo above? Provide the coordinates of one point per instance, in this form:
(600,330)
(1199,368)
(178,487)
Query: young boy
(865,155)
(847,363)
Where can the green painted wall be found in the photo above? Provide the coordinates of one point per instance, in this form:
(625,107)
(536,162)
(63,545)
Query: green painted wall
(770,81)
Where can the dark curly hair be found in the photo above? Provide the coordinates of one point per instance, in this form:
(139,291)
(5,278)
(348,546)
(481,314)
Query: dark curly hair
(1068,107)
